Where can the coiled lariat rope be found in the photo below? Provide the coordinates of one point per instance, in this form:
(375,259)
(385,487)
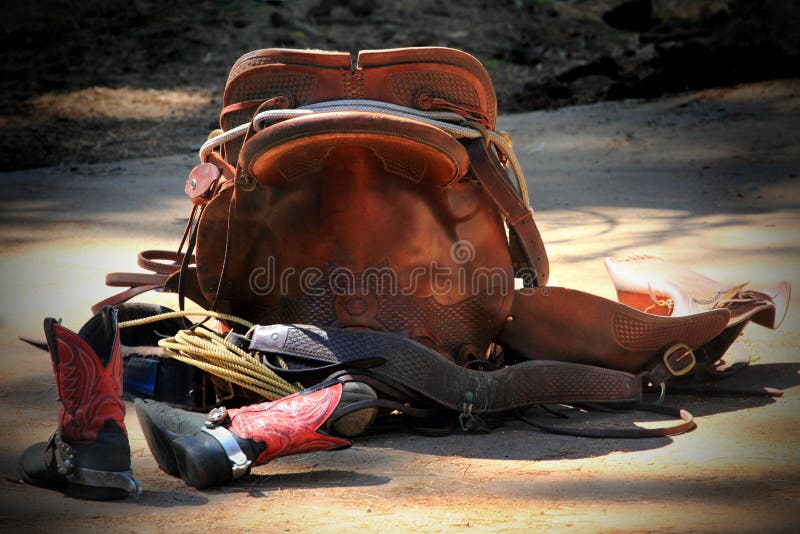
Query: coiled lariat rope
(207,350)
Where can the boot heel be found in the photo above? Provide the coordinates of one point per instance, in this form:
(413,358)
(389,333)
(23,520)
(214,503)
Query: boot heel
(224,446)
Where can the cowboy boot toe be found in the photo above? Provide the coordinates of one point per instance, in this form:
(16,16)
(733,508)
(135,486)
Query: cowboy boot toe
(161,425)
(204,462)
(35,469)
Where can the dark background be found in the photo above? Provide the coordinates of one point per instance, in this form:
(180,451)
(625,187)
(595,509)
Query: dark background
(100,80)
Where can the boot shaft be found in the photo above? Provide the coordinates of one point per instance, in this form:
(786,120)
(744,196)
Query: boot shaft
(88,370)
(89,454)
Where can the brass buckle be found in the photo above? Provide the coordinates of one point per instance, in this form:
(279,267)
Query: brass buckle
(676,353)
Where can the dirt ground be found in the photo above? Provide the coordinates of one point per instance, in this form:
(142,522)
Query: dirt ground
(708,179)
(104,80)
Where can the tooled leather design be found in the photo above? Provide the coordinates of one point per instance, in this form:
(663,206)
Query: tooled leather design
(258,58)
(319,344)
(425,371)
(295,167)
(90,393)
(635,333)
(353,83)
(289,425)
(302,87)
(452,325)
(405,85)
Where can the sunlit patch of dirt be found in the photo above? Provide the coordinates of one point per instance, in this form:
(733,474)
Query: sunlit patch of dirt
(124,103)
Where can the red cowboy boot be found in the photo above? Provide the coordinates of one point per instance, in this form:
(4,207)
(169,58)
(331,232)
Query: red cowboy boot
(89,454)
(225,445)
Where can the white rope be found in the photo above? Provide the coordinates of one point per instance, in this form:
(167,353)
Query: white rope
(444,120)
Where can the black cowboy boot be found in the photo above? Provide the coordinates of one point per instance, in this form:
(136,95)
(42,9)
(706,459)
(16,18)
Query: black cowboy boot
(89,454)
(217,449)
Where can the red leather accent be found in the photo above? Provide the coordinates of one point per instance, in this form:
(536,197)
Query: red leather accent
(90,393)
(289,425)
(200,184)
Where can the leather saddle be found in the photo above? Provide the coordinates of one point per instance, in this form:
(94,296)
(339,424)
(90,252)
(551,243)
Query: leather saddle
(367,219)
(374,193)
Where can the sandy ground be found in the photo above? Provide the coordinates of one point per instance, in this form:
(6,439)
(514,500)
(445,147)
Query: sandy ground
(707,179)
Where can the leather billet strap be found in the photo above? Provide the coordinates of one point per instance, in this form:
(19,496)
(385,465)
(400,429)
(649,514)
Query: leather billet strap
(524,235)
(685,425)
(677,360)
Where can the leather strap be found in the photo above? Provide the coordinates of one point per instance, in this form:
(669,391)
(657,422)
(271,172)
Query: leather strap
(719,389)
(135,279)
(687,423)
(238,106)
(153,260)
(524,235)
(424,371)
(123,296)
(227,170)
(138,283)
(309,375)
(676,361)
